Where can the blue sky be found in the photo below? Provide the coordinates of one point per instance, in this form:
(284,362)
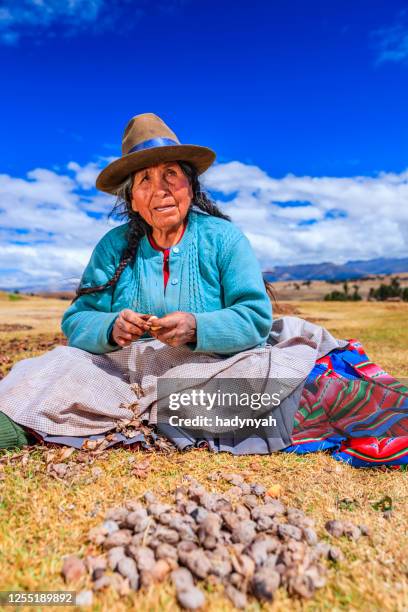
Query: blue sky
(303,101)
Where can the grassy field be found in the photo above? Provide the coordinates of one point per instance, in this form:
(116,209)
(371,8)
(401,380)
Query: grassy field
(43,518)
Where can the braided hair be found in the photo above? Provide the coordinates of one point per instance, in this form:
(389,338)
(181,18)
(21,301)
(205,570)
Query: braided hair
(138,227)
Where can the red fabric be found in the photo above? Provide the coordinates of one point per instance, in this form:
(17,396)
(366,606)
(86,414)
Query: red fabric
(166,253)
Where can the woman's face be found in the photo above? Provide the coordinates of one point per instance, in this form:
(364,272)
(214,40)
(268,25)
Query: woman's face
(162,195)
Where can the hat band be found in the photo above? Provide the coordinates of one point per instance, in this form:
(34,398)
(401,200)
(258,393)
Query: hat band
(153,142)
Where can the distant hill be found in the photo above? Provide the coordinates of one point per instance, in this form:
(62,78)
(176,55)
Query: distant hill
(55,287)
(330,271)
(325,271)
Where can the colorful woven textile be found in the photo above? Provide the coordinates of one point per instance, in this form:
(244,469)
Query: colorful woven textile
(353,408)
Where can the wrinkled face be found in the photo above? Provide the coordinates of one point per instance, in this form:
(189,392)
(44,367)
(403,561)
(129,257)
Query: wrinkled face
(162,195)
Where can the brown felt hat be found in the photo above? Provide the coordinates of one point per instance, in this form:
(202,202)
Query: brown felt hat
(148,141)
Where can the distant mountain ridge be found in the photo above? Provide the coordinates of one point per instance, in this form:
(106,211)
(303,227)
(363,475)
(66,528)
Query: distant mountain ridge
(330,271)
(319,271)
(51,287)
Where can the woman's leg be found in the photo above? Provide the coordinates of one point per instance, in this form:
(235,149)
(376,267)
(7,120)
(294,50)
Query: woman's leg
(13,435)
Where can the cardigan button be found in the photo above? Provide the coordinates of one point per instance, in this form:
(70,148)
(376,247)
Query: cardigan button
(176,249)
(174,281)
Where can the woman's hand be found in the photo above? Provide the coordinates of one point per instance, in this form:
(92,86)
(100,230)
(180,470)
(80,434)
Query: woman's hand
(174,329)
(129,326)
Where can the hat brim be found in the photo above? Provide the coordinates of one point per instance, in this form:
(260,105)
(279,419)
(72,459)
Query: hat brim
(117,171)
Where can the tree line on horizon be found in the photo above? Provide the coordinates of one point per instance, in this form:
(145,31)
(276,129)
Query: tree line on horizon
(381,294)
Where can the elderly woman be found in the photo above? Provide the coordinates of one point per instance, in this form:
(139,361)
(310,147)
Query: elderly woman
(174,294)
(178,258)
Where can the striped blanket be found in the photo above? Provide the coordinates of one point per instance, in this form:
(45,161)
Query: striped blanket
(353,409)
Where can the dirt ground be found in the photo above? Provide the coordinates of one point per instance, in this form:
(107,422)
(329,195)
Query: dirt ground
(43,518)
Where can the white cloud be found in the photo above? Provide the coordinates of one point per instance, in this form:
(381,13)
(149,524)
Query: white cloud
(392,42)
(85,175)
(336,219)
(50,221)
(21,17)
(40,19)
(44,264)
(45,231)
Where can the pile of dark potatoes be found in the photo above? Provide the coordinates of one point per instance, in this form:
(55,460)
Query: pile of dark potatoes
(243,539)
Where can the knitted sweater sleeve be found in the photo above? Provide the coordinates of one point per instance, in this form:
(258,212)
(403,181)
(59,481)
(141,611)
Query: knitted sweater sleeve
(246,319)
(87,322)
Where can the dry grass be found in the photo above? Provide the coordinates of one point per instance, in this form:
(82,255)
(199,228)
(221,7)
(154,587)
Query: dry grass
(382,328)
(42,519)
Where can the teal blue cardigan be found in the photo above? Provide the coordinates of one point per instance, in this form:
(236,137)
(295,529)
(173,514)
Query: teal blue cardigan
(214,274)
